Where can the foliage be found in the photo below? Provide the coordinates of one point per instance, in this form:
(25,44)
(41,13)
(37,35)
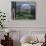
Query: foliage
(2,18)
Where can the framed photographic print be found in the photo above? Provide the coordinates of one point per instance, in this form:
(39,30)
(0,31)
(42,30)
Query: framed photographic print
(23,10)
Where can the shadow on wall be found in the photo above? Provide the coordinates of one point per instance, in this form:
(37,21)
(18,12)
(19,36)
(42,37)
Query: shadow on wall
(16,43)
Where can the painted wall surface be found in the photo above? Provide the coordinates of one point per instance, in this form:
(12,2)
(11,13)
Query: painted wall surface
(5,6)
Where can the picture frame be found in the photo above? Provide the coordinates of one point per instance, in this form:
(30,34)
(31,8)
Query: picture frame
(23,10)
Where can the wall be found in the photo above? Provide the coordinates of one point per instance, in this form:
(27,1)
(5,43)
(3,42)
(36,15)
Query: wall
(5,6)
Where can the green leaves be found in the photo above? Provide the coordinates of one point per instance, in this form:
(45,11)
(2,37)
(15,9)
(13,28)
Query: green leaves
(2,18)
